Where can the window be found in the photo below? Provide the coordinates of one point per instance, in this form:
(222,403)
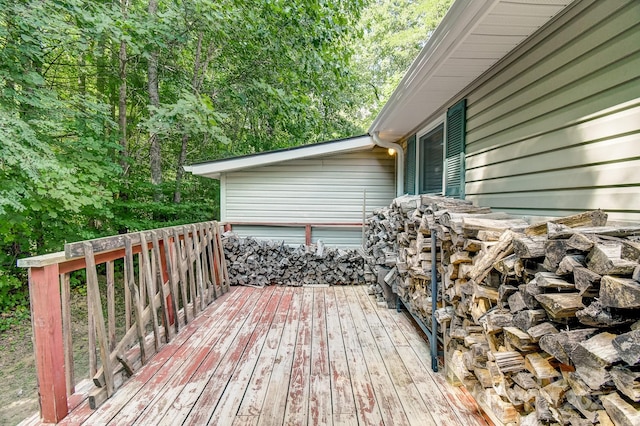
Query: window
(435,162)
(431,154)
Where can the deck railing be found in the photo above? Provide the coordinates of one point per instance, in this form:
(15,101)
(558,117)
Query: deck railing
(167,277)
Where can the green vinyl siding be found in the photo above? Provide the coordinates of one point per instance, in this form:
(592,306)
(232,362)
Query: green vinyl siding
(554,128)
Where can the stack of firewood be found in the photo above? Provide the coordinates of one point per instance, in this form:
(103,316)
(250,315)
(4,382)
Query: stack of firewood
(262,262)
(541,321)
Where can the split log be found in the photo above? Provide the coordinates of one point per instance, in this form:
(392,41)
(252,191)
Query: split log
(551,280)
(569,263)
(494,321)
(504,411)
(554,392)
(627,382)
(589,218)
(526,319)
(618,292)
(587,281)
(561,305)
(596,315)
(543,411)
(472,245)
(525,380)
(582,242)
(529,292)
(554,252)
(587,405)
(538,331)
(592,358)
(630,250)
(562,344)
(540,368)
(519,339)
(510,265)
(528,247)
(516,302)
(508,361)
(504,292)
(472,225)
(500,250)
(628,346)
(620,411)
(561,232)
(489,236)
(606,259)
(485,292)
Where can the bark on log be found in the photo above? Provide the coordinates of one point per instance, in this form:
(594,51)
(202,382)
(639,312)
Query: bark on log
(589,218)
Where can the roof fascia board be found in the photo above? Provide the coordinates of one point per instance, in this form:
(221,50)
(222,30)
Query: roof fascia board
(573,9)
(214,169)
(457,23)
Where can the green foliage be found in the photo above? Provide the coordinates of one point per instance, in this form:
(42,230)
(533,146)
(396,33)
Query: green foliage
(15,317)
(234,77)
(393,35)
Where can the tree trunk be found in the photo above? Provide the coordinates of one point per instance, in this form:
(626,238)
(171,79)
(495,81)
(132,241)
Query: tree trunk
(177,195)
(200,66)
(155,155)
(122,98)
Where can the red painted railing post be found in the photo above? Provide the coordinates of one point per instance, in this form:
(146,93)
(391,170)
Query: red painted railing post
(307,234)
(46,319)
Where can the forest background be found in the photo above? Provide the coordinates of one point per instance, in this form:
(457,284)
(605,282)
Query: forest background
(102,102)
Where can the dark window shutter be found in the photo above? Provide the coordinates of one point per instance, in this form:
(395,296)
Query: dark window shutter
(455,150)
(410,167)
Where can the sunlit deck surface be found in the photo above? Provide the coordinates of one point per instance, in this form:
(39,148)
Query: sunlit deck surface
(294,356)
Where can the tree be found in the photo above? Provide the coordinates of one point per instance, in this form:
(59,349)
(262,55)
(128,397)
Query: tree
(393,35)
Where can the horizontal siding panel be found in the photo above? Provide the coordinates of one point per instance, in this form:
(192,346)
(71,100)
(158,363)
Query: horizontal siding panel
(606,151)
(328,180)
(614,75)
(570,42)
(615,174)
(335,237)
(608,126)
(607,199)
(555,130)
(322,190)
(564,117)
(290,236)
(559,87)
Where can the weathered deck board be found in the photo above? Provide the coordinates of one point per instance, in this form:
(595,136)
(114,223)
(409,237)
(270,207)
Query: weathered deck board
(294,356)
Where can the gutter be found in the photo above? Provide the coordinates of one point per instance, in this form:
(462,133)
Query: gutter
(399,161)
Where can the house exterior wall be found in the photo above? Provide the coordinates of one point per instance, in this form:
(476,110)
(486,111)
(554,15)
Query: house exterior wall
(555,128)
(329,190)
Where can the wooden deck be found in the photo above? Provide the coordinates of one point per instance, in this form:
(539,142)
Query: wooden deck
(292,356)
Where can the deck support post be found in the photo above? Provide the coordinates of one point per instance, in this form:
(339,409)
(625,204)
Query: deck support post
(46,320)
(307,234)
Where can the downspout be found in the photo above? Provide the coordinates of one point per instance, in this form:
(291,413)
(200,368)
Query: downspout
(399,161)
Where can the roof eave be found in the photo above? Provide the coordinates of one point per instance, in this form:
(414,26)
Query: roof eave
(215,169)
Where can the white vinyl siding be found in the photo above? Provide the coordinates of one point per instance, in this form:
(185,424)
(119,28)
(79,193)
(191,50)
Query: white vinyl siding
(556,128)
(329,189)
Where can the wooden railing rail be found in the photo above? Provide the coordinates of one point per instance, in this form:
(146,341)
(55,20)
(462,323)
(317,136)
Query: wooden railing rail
(180,270)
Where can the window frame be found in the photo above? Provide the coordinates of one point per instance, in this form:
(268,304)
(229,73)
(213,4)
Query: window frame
(433,124)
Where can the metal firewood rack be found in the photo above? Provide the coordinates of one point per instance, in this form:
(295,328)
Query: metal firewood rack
(431,331)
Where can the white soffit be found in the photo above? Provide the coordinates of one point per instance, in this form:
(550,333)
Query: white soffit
(472,37)
(213,169)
